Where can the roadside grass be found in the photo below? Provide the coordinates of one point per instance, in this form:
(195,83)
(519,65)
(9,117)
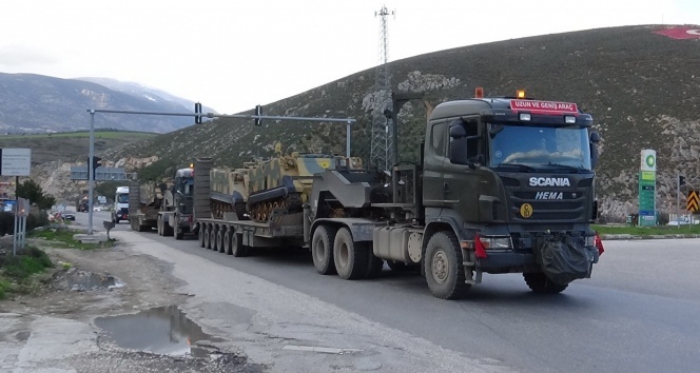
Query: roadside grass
(647,231)
(17,273)
(64,238)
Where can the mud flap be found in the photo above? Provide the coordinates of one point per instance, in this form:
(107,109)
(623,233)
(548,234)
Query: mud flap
(564,259)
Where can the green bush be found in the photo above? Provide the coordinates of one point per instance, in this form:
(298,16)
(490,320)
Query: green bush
(7,221)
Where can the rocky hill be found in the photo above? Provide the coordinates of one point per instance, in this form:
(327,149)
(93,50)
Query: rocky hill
(35,103)
(642,88)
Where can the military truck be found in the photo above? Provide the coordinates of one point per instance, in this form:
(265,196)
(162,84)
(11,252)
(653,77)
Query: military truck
(144,205)
(175,214)
(504,185)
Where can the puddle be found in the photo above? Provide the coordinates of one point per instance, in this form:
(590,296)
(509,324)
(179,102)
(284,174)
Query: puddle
(163,330)
(75,280)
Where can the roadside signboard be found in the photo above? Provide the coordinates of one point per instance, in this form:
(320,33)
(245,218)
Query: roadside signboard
(647,188)
(692,203)
(16,161)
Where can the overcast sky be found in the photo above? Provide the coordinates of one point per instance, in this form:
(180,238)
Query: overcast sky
(233,54)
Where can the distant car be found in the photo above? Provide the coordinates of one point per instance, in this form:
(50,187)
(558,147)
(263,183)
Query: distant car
(68,216)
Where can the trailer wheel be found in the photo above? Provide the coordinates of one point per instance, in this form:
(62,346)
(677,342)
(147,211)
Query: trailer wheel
(207,237)
(443,266)
(220,240)
(237,247)
(539,283)
(167,229)
(201,234)
(350,258)
(322,249)
(375,265)
(226,241)
(212,237)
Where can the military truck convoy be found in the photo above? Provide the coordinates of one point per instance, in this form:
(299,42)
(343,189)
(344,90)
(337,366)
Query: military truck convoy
(504,185)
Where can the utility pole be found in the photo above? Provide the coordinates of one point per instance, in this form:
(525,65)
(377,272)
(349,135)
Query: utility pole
(91,172)
(382,147)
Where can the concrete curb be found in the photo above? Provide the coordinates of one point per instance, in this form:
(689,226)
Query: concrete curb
(614,237)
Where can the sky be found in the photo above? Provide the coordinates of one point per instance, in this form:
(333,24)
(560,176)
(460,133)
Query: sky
(232,54)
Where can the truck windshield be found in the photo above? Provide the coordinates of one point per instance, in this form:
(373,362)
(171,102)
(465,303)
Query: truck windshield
(539,147)
(186,186)
(122,198)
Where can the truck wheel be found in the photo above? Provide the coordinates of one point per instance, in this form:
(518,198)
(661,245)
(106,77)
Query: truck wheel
(322,249)
(226,242)
(443,266)
(212,238)
(375,264)
(350,258)
(201,234)
(179,235)
(207,237)
(220,240)
(167,229)
(539,283)
(237,248)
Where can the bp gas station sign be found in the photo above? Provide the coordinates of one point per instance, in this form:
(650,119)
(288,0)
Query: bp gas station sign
(647,188)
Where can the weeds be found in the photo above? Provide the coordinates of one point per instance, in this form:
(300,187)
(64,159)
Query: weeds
(64,237)
(17,272)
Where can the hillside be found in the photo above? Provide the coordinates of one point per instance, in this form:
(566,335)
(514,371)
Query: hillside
(70,146)
(642,88)
(149,93)
(32,103)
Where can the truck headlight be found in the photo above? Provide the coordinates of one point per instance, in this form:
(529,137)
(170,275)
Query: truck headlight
(496,243)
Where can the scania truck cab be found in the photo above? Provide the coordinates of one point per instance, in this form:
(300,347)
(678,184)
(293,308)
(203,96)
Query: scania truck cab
(121,204)
(514,179)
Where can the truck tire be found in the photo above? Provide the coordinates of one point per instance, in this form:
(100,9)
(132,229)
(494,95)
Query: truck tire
(207,237)
(375,264)
(179,235)
(226,242)
(237,247)
(350,258)
(220,240)
(539,283)
(168,231)
(322,249)
(444,271)
(201,234)
(212,238)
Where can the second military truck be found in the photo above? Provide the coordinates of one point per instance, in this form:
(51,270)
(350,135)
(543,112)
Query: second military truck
(504,185)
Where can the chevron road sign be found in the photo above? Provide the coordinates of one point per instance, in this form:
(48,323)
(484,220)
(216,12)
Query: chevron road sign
(693,201)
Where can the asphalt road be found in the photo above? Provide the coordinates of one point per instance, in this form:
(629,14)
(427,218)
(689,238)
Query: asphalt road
(639,313)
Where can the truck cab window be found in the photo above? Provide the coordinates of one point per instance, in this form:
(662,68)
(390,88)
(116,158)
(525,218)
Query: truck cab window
(438,138)
(464,140)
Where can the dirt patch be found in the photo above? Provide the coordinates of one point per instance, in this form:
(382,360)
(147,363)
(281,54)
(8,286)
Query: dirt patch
(104,289)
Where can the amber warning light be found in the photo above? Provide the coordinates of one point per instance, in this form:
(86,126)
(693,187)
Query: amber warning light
(521,93)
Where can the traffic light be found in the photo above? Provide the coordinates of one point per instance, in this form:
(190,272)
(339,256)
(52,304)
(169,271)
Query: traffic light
(198,110)
(681,180)
(96,162)
(258,113)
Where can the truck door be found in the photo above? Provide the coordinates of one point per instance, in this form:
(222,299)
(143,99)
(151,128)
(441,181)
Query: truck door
(435,155)
(461,186)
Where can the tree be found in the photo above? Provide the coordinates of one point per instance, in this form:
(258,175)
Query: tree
(32,191)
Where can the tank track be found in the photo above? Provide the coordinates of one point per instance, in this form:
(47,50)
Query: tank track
(261,212)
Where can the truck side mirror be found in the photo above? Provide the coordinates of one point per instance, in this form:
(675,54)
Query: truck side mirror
(458,142)
(594,139)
